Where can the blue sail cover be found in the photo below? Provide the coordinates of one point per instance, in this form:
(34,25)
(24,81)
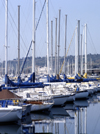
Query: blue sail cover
(84,79)
(53,79)
(12,88)
(67,80)
(77,79)
(21,84)
(31,78)
(89,79)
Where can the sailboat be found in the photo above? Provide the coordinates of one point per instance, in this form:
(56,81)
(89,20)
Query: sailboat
(8,113)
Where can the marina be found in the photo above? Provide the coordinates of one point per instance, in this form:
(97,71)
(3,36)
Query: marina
(54,95)
(72,118)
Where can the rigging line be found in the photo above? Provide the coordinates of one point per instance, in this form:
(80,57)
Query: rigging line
(25,58)
(44,13)
(67,52)
(1,7)
(16,27)
(14,24)
(10,21)
(91,40)
(40,15)
(27,18)
(53,8)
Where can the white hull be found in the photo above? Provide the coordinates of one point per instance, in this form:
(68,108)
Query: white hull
(90,91)
(70,98)
(59,99)
(81,95)
(10,114)
(39,107)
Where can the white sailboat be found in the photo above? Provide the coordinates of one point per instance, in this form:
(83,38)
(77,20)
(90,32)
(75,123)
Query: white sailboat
(37,105)
(10,114)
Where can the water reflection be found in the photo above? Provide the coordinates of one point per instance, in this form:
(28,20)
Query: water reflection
(10,129)
(80,117)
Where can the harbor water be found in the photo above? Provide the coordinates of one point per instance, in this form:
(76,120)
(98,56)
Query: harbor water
(80,117)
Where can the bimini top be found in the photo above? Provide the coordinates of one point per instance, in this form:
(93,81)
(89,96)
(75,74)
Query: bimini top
(6,94)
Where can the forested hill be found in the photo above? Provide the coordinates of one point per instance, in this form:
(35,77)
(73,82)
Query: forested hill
(92,60)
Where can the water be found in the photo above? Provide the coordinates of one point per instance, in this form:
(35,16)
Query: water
(82,117)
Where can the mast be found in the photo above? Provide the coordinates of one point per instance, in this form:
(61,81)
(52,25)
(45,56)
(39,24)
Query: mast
(65,43)
(76,52)
(82,53)
(6,36)
(72,66)
(51,47)
(47,2)
(33,39)
(68,68)
(78,46)
(81,57)
(86,49)
(18,40)
(55,46)
(91,65)
(58,43)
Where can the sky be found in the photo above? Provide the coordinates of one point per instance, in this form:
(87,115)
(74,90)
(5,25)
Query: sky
(87,11)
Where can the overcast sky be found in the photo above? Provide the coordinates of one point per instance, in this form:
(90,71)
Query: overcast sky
(87,11)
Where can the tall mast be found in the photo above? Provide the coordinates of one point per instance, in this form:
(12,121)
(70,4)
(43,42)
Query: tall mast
(68,67)
(55,46)
(6,35)
(18,40)
(33,39)
(82,53)
(58,42)
(78,46)
(47,2)
(76,52)
(86,49)
(51,47)
(91,65)
(65,43)
(81,57)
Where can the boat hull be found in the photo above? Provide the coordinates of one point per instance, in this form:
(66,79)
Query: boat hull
(70,98)
(10,115)
(81,95)
(40,107)
(59,100)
